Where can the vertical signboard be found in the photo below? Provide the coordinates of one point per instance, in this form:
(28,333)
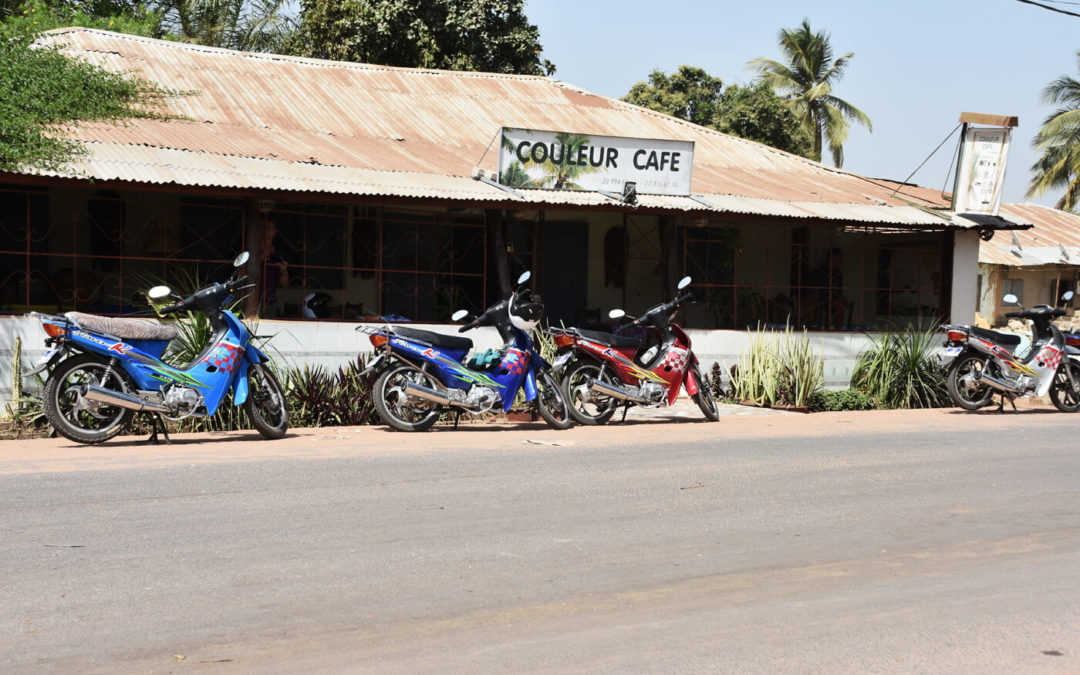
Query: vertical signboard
(982,170)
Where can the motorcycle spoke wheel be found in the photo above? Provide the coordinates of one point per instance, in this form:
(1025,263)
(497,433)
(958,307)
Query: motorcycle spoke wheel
(75,417)
(551,403)
(586,406)
(265,404)
(1062,394)
(704,398)
(965,390)
(399,411)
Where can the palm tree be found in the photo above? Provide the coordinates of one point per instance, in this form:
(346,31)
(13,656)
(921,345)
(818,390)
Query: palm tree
(246,25)
(806,80)
(1059,141)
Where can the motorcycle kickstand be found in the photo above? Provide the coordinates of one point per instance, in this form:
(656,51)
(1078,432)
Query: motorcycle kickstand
(625,409)
(457,416)
(1012,402)
(156,421)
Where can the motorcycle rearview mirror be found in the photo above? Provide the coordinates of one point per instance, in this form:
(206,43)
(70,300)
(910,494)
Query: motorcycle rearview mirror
(459,315)
(684,282)
(1010,299)
(1067,296)
(159,292)
(241,259)
(525,276)
(616,314)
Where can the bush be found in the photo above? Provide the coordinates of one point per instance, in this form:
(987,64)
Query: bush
(838,401)
(902,370)
(778,369)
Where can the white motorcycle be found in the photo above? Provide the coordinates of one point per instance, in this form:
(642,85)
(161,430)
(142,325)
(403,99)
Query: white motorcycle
(989,362)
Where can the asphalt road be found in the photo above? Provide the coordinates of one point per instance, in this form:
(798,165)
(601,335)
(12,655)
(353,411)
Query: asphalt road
(931,542)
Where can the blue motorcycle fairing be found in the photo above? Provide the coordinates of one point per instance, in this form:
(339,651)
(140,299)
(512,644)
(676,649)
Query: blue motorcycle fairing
(446,365)
(252,356)
(214,372)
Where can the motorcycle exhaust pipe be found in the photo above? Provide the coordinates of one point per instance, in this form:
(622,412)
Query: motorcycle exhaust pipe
(429,394)
(614,392)
(995,384)
(122,400)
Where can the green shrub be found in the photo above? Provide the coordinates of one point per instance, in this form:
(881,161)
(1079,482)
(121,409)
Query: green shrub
(838,401)
(902,370)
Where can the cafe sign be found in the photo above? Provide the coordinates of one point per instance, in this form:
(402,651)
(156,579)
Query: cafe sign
(566,161)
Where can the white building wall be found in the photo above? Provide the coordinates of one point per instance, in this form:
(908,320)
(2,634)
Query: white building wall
(965,276)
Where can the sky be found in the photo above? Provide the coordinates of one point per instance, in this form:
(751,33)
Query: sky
(917,65)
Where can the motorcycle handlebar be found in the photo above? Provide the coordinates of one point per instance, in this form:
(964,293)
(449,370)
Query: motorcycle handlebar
(175,307)
(1012,315)
(468,326)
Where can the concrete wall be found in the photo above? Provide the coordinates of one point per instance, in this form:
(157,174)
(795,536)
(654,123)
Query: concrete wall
(333,344)
(965,276)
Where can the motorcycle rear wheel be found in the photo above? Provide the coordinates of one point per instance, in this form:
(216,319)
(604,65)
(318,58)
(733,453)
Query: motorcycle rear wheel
(395,408)
(79,419)
(265,404)
(964,390)
(588,407)
(704,398)
(1061,394)
(551,403)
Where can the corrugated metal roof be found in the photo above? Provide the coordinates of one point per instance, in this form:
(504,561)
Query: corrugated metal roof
(1054,239)
(269,122)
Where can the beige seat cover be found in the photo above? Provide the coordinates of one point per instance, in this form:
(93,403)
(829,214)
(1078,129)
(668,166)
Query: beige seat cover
(128,329)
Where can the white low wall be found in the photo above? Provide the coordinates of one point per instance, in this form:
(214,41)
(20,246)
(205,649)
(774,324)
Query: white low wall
(334,344)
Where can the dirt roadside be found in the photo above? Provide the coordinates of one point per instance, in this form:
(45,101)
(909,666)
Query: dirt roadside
(55,455)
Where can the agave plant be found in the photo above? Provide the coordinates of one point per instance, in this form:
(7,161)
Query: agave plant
(318,397)
(778,369)
(901,369)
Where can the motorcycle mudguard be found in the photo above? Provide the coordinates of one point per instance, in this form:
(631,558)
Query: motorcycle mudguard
(251,355)
(691,382)
(529,386)
(48,363)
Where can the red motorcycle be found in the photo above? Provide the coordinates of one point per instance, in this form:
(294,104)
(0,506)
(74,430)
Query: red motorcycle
(606,371)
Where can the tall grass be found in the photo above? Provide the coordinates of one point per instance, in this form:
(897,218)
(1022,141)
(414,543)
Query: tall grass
(902,370)
(778,368)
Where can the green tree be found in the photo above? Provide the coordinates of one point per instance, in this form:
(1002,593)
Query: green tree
(42,93)
(1059,142)
(758,114)
(480,35)
(244,25)
(755,112)
(690,94)
(806,80)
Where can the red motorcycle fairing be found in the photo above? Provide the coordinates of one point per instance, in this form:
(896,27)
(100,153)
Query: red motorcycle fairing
(672,368)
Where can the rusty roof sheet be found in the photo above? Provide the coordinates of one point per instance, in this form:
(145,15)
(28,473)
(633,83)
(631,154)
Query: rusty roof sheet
(270,122)
(1054,239)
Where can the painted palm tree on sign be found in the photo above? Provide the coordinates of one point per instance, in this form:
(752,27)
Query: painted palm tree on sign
(806,80)
(561,175)
(1059,142)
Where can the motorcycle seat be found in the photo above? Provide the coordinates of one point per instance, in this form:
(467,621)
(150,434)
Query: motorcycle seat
(609,338)
(435,339)
(1004,339)
(127,329)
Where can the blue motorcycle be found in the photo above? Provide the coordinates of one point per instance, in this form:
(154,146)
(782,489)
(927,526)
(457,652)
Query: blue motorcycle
(424,374)
(104,370)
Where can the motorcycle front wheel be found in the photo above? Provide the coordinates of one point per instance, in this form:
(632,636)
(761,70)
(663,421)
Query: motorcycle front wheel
(1062,394)
(80,419)
(704,398)
(964,389)
(265,404)
(589,407)
(551,403)
(399,411)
